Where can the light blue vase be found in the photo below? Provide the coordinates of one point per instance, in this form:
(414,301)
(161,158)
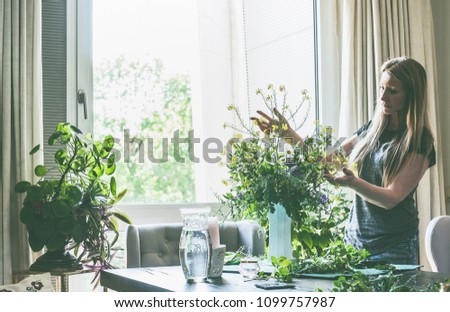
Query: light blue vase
(280,243)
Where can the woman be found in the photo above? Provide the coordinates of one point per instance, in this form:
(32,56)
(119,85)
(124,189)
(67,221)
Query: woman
(392,152)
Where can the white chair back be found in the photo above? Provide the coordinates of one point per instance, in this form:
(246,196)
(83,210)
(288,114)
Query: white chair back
(437,244)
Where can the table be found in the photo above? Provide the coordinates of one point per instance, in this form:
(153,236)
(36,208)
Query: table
(171,279)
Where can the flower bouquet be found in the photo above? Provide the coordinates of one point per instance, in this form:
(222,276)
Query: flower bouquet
(267,169)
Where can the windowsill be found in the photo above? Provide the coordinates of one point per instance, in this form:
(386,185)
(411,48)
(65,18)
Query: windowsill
(164,213)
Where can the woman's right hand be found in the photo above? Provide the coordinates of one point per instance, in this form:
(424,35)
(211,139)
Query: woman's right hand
(280,125)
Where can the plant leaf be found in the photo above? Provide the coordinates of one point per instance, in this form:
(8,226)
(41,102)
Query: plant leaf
(108,143)
(66,225)
(113,185)
(61,208)
(35,149)
(109,170)
(52,139)
(116,237)
(34,193)
(61,157)
(35,242)
(26,215)
(75,129)
(274,260)
(45,229)
(21,187)
(122,217)
(120,195)
(285,262)
(73,194)
(80,231)
(40,170)
(113,224)
(46,188)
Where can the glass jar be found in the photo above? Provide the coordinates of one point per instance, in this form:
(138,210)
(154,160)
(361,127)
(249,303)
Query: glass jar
(195,245)
(249,268)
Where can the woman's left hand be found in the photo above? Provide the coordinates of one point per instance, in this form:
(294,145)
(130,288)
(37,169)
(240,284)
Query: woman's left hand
(346,180)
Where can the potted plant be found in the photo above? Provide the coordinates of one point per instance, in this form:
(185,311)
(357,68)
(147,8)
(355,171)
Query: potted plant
(72,206)
(265,172)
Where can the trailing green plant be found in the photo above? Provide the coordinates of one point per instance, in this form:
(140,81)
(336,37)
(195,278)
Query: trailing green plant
(341,258)
(389,282)
(366,283)
(265,170)
(72,206)
(336,258)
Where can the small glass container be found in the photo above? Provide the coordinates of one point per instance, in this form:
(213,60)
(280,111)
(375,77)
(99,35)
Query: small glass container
(249,268)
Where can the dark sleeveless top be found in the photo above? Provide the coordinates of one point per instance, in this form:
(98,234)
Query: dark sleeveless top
(374,228)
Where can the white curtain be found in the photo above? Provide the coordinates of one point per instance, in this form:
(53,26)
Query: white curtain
(21,122)
(367,34)
(430,193)
(372,32)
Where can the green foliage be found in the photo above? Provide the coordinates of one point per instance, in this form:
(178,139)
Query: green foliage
(140,96)
(282,271)
(265,171)
(336,258)
(76,210)
(389,282)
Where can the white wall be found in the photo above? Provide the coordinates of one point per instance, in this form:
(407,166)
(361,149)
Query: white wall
(214,85)
(441,11)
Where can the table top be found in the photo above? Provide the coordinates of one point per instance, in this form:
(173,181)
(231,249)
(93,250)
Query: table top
(171,279)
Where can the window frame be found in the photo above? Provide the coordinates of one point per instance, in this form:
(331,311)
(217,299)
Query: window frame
(80,76)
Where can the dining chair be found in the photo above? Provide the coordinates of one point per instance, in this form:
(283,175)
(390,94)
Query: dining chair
(437,244)
(158,244)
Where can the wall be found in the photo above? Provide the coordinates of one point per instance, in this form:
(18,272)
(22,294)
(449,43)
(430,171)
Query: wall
(441,11)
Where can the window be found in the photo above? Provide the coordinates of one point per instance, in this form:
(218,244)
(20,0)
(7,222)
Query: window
(142,80)
(161,69)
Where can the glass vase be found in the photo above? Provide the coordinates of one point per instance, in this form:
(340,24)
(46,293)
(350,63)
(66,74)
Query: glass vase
(195,244)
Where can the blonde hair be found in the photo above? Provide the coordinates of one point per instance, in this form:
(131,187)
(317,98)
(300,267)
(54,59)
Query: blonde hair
(416,136)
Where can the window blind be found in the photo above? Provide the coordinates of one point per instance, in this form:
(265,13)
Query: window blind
(54,70)
(279,40)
